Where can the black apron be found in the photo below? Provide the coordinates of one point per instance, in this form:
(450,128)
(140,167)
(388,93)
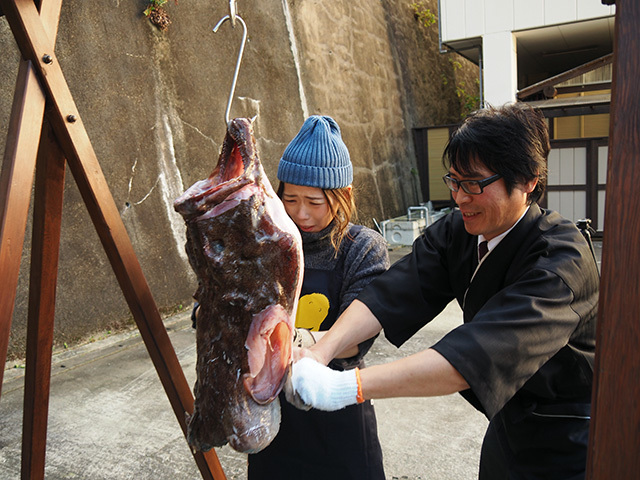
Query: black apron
(340,445)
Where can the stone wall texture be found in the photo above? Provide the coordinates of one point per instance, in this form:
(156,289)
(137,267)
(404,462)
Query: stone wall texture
(153,104)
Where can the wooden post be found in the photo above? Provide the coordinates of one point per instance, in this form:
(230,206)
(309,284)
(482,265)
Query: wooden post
(17,172)
(47,219)
(615,428)
(15,190)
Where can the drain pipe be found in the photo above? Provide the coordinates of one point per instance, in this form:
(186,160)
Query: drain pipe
(442,50)
(481,78)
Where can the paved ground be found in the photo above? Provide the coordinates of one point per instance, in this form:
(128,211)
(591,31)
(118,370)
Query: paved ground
(110,419)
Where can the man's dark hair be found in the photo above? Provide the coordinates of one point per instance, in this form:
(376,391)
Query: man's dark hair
(512,140)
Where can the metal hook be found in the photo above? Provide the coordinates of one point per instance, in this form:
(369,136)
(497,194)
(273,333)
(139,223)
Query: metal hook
(244,40)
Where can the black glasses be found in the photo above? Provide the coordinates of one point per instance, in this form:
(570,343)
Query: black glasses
(472,187)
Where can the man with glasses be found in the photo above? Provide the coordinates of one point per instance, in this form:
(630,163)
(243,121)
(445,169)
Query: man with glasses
(528,287)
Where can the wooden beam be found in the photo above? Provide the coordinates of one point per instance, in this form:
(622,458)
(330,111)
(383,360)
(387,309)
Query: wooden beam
(587,87)
(615,425)
(16,180)
(563,77)
(47,219)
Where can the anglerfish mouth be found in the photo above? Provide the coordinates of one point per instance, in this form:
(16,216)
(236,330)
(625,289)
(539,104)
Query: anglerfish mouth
(268,346)
(237,168)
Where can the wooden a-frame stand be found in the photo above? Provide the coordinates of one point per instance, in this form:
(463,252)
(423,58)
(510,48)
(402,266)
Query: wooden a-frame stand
(41,145)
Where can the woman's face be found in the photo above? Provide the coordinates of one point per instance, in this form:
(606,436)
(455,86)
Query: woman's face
(308,207)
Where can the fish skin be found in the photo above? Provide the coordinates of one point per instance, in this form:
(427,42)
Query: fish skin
(247,255)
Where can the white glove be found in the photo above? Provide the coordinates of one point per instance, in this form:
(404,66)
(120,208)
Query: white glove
(292,396)
(324,388)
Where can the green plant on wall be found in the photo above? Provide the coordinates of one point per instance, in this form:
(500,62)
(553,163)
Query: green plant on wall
(423,14)
(469,101)
(157,15)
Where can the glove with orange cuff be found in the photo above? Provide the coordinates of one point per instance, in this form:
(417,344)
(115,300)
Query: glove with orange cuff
(324,388)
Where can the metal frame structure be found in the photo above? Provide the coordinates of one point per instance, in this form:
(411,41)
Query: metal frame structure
(45,133)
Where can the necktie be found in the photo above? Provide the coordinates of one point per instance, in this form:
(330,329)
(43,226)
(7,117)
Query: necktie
(483,249)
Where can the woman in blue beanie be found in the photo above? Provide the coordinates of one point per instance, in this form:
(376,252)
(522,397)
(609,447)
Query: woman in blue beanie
(315,175)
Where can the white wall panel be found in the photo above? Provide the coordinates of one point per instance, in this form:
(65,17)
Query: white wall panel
(566,205)
(498,16)
(579,206)
(528,14)
(500,68)
(553,167)
(553,201)
(475,18)
(603,154)
(593,9)
(559,11)
(580,166)
(601,202)
(571,205)
(453,26)
(566,166)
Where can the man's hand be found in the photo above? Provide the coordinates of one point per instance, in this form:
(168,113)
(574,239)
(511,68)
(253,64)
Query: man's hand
(324,388)
(305,352)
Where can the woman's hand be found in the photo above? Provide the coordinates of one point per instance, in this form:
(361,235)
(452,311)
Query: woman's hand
(300,353)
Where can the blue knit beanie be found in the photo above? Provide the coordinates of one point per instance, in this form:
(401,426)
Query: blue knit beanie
(317,156)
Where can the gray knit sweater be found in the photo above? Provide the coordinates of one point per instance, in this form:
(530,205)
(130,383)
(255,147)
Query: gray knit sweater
(365,257)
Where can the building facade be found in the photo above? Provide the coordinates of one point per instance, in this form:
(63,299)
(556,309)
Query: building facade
(555,55)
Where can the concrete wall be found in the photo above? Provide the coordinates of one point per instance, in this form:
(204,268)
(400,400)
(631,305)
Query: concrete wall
(153,104)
